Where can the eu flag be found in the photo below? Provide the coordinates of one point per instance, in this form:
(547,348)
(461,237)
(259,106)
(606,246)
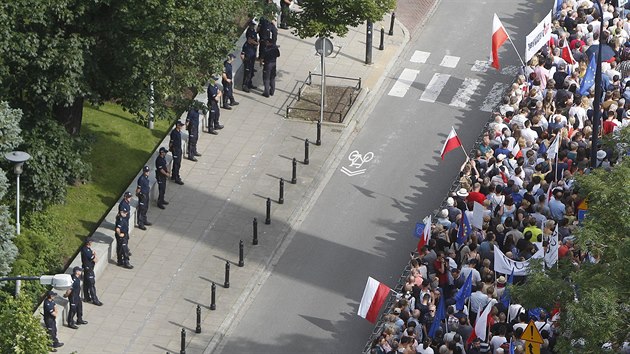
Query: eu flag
(505,297)
(589,77)
(440,315)
(463,293)
(464,229)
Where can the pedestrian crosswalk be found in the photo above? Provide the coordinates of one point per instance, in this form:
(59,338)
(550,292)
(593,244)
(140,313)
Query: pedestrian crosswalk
(469,87)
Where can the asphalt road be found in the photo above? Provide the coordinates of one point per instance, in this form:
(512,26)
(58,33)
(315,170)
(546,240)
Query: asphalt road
(362,225)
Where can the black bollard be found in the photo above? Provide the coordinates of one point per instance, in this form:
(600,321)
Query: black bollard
(382,45)
(241,262)
(213,304)
(318,142)
(227,275)
(294,174)
(368,42)
(306,143)
(183,350)
(255,228)
(198,329)
(281,197)
(268,218)
(391,24)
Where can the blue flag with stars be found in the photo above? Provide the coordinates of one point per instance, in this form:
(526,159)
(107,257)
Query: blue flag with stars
(463,293)
(505,297)
(589,77)
(464,230)
(440,315)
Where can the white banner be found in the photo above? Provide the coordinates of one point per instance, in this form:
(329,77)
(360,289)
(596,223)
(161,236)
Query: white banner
(538,37)
(505,265)
(551,255)
(477,218)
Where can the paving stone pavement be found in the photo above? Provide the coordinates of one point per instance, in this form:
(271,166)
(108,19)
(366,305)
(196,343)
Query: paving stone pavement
(186,249)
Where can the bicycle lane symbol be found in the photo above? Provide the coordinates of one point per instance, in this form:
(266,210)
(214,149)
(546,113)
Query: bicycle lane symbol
(357,160)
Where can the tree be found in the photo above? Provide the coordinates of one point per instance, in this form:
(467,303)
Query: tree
(325,18)
(9,140)
(20,331)
(592,297)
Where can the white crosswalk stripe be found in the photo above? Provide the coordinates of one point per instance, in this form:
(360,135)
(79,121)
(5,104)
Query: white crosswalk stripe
(510,70)
(493,98)
(449,61)
(465,92)
(480,66)
(401,86)
(419,57)
(435,86)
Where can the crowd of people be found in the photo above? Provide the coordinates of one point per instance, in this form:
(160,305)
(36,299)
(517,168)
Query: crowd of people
(522,174)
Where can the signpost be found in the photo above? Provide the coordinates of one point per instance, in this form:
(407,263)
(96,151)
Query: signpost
(533,339)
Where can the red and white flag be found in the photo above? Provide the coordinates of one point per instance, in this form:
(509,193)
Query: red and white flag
(426,234)
(499,36)
(567,55)
(373,298)
(452,142)
(516,151)
(484,320)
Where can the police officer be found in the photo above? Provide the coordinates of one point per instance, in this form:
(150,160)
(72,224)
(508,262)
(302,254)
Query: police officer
(74,297)
(284,13)
(161,173)
(248,56)
(214,97)
(142,192)
(175,145)
(192,125)
(121,233)
(50,319)
(228,85)
(268,33)
(269,69)
(88,260)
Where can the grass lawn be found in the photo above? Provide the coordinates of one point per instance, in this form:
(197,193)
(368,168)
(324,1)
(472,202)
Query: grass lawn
(121,148)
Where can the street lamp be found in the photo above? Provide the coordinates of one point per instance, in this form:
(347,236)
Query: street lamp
(58,281)
(598,90)
(18,158)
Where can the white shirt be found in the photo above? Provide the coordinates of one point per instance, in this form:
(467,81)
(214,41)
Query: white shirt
(420,350)
(529,135)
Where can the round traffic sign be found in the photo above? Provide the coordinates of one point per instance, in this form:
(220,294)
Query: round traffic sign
(322,43)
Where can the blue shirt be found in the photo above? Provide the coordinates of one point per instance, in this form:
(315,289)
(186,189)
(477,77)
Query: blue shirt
(556,208)
(87,257)
(49,308)
(176,141)
(249,51)
(213,92)
(143,184)
(122,224)
(192,120)
(227,69)
(160,165)
(124,205)
(76,290)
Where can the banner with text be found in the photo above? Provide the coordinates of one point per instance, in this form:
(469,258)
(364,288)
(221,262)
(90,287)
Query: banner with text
(538,38)
(505,265)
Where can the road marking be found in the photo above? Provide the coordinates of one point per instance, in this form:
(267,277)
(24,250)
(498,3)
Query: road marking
(419,57)
(449,61)
(356,161)
(402,85)
(465,92)
(493,98)
(480,66)
(511,70)
(434,87)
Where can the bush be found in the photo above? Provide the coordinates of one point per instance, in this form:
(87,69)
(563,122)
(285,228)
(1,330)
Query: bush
(20,331)
(57,160)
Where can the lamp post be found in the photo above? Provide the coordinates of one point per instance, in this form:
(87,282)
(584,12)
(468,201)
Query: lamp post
(598,91)
(18,158)
(58,281)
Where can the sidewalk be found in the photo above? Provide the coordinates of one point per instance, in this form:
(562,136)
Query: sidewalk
(189,243)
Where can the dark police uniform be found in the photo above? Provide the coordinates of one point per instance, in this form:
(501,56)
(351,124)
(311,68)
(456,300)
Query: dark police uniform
(192,125)
(122,241)
(142,192)
(50,319)
(228,86)
(268,33)
(76,306)
(176,149)
(248,55)
(161,172)
(215,113)
(88,259)
(284,13)
(269,69)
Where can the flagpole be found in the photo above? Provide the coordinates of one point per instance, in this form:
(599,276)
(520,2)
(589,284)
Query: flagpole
(516,50)
(467,157)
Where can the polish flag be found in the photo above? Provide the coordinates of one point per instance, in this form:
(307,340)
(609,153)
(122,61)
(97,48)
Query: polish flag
(516,151)
(426,234)
(483,322)
(452,142)
(373,298)
(499,36)
(567,55)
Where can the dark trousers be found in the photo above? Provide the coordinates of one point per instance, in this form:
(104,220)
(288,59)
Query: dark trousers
(177,163)
(192,142)
(161,181)
(89,285)
(269,78)
(284,14)
(51,327)
(228,93)
(248,75)
(213,116)
(76,308)
(143,207)
(122,251)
